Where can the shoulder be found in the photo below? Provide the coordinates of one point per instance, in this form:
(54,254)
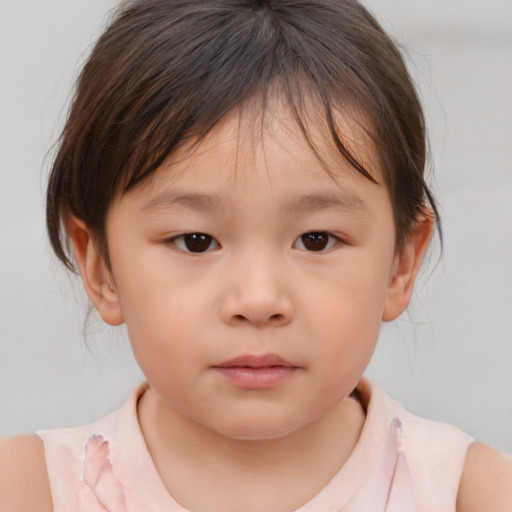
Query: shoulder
(486,482)
(24,483)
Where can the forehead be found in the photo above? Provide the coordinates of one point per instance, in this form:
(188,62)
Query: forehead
(268,163)
(278,140)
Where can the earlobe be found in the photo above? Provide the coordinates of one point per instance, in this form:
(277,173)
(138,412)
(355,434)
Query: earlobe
(96,276)
(406,268)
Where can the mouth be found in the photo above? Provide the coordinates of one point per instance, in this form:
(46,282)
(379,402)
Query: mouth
(256,372)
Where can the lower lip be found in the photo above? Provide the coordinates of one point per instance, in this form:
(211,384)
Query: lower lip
(256,378)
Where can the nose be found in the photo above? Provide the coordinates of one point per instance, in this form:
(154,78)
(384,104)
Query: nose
(257,295)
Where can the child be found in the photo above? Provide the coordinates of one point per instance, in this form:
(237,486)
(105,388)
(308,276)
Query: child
(242,185)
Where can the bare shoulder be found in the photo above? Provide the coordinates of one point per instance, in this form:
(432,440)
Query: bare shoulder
(24,483)
(486,482)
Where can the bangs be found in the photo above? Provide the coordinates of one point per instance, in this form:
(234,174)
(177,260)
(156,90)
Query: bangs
(165,73)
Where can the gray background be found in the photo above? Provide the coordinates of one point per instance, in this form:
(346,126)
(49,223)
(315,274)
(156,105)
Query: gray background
(449,358)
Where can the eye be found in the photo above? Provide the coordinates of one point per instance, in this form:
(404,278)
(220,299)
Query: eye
(195,242)
(316,241)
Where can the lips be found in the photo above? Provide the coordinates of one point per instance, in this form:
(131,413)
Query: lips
(250,361)
(256,372)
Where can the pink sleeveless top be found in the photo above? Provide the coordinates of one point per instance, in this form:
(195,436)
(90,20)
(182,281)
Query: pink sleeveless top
(401,463)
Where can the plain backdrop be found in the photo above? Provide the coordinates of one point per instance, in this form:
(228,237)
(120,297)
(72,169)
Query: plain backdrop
(449,358)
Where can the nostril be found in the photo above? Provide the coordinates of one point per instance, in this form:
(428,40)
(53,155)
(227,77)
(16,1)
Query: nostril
(277,317)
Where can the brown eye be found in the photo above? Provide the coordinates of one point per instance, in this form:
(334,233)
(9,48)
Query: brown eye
(316,241)
(195,242)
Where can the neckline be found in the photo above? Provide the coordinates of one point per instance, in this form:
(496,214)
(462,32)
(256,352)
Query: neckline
(144,486)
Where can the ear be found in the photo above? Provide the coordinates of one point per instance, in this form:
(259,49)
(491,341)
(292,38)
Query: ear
(96,276)
(406,267)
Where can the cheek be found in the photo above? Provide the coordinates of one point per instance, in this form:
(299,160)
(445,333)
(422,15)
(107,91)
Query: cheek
(167,346)
(353,297)
(153,292)
(348,343)
(164,322)
(347,317)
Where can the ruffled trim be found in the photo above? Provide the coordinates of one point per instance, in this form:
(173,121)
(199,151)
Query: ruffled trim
(389,487)
(100,489)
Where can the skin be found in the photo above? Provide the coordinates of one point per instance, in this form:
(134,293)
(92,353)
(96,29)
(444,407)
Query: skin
(257,289)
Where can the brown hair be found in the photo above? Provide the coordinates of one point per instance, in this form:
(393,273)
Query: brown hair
(166,71)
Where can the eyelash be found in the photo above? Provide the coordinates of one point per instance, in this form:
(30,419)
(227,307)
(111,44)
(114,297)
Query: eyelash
(180,242)
(315,237)
(332,240)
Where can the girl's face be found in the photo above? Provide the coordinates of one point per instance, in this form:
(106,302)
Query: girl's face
(252,283)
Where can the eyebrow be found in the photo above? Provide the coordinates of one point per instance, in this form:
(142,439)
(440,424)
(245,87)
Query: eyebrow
(326,201)
(191,200)
(207,202)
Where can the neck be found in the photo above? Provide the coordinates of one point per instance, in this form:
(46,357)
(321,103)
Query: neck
(266,474)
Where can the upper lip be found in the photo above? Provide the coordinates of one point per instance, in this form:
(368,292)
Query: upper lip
(255,361)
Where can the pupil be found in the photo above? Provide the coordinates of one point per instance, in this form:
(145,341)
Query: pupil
(315,241)
(197,242)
